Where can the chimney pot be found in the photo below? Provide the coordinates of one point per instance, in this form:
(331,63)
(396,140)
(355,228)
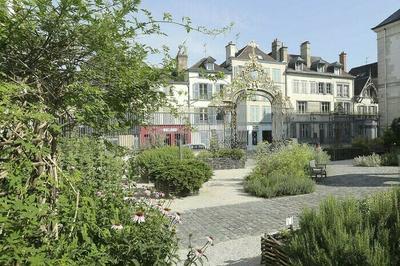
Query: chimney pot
(343,60)
(276,46)
(230,52)
(305,52)
(283,54)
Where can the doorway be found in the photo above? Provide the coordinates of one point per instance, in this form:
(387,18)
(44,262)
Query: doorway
(267,135)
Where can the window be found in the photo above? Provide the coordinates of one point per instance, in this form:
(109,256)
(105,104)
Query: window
(220,115)
(336,71)
(203,114)
(325,107)
(219,89)
(303,86)
(299,66)
(372,109)
(305,131)
(296,88)
(254,113)
(346,108)
(210,66)
(361,109)
(276,75)
(204,91)
(346,91)
(328,88)
(339,90)
(238,70)
(302,107)
(313,87)
(320,87)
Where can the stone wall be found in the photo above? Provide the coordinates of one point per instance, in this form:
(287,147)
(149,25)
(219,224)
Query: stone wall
(225,163)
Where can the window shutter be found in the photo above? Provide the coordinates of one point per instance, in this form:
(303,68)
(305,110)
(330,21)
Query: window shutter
(209,91)
(211,115)
(196,116)
(217,89)
(196,91)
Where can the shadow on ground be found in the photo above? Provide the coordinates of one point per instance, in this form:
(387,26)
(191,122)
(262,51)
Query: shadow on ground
(244,261)
(361,180)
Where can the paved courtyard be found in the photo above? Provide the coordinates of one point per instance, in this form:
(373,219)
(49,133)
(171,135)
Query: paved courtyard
(236,220)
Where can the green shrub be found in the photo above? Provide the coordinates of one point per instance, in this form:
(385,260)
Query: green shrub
(282,171)
(390,158)
(181,177)
(278,184)
(95,225)
(369,161)
(349,232)
(147,160)
(234,154)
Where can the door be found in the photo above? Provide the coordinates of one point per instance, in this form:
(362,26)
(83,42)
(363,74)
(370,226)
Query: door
(267,135)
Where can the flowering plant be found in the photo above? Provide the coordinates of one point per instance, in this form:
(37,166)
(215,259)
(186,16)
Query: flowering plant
(197,255)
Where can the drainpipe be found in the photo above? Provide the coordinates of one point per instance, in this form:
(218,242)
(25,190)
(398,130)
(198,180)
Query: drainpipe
(386,94)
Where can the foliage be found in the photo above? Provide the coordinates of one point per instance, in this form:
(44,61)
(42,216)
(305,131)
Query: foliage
(278,183)
(391,158)
(234,154)
(349,232)
(181,177)
(369,160)
(321,156)
(391,136)
(197,255)
(91,213)
(147,160)
(214,144)
(367,145)
(282,171)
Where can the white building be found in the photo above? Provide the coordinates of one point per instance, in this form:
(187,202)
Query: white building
(321,94)
(388,40)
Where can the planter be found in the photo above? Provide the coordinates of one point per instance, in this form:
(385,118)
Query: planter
(272,252)
(225,163)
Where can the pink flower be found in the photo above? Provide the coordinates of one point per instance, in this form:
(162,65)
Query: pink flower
(117,227)
(165,211)
(177,218)
(198,253)
(139,217)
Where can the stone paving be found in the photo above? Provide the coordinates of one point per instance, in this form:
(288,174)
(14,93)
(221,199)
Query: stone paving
(230,222)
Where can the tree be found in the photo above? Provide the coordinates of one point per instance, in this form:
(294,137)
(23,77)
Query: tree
(65,63)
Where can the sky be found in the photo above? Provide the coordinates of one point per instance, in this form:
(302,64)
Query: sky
(330,26)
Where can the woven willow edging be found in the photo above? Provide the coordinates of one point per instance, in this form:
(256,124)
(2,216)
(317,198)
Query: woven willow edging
(271,250)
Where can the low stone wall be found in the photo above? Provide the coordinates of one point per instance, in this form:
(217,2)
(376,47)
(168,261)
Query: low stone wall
(225,163)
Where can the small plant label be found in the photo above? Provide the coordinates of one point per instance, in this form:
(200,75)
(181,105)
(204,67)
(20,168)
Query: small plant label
(289,221)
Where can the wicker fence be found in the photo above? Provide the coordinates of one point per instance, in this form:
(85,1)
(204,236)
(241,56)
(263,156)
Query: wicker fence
(272,252)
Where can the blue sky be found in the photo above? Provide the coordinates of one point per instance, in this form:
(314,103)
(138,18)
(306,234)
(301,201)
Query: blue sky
(330,26)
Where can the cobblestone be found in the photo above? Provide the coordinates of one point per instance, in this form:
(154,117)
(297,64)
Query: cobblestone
(234,221)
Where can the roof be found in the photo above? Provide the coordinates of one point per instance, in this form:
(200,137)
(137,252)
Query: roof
(315,61)
(362,74)
(364,70)
(392,18)
(201,65)
(246,51)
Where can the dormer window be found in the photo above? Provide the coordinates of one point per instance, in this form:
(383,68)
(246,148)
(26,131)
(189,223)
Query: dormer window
(321,68)
(336,70)
(210,66)
(299,66)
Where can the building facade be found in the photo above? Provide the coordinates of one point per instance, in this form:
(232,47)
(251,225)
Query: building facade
(388,44)
(324,105)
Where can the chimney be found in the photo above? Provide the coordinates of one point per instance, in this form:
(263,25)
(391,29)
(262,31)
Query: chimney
(182,59)
(343,60)
(305,52)
(276,45)
(283,54)
(230,52)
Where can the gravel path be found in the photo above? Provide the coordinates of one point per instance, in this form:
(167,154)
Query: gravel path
(236,220)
